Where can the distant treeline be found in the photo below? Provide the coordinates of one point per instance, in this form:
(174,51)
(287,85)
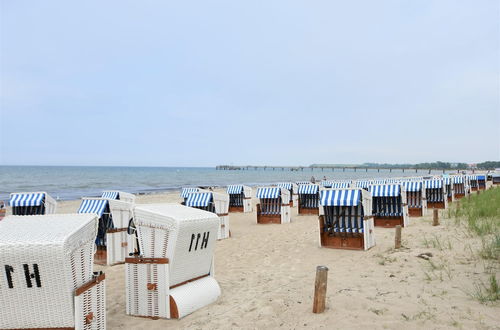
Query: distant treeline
(489,165)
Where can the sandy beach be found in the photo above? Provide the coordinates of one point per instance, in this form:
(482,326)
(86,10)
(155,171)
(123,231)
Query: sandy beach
(267,274)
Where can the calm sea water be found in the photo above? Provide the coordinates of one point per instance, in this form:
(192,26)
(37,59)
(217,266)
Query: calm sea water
(73,182)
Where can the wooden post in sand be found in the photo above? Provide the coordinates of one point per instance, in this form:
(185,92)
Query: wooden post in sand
(435,218)
(397,243)
(320,289)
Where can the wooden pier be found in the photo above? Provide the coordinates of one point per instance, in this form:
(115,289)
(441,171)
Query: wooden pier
(333,168)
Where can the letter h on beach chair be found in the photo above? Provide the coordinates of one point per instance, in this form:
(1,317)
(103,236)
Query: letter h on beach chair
(47,278)
(173,276)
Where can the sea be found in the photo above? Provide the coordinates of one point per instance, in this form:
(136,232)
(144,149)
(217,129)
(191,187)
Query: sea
(74,182)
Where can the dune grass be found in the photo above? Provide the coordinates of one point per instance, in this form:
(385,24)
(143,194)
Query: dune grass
(481,216)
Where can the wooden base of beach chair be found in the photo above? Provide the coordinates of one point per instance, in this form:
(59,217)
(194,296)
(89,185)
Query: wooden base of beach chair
(305,211)
(388,222)
(343,241)
(235,209)
(268,218)
(473,189)
(459,196)
(415,212)
(436,205)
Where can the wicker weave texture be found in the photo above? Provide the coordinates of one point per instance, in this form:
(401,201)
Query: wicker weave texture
(184,235)
(285,214)
(90,308)
(121,212)
(223,231)
(147,287)
(117,247)
(48,257)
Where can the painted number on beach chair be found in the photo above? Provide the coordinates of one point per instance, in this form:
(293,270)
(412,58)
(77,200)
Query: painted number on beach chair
(29,276)
(195,238)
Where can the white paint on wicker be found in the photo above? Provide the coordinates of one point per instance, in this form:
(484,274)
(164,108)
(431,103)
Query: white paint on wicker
(195,295)
(62,247)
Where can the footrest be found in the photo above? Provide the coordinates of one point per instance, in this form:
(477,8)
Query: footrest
(192,296)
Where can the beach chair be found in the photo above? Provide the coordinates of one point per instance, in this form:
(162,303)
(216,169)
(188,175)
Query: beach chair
(472,182)
(173,276)
(435,194)
(47,279)
(273,206)
(118,195)
(495,178)
(185,193)
(240,198)
(448,188)
(292,188)
(308,202)
(459,186)
(481,181)
(415,196)
(217,203)
(389,205)
(32,203)
(101,207)
(346,221)
(340,184)
(362,184)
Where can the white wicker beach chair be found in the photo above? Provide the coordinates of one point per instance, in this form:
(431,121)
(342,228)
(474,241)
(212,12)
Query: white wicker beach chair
(173,277)
(240,198)
(47,273)
(32,203)
(119,244)
(274,205)
(118,195)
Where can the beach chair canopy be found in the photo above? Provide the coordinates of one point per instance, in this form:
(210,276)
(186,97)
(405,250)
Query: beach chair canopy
(387,190)
(26,199)
(447,180)
(186,191)
(412,186)
(235,189)
(199,199)
(286,185)
(110,194)
(458,179)
(268,192)
(481,177)
(93,205)
(307,189)
(340,197)
(340,184)
(472,177)
(433,184)
(362,184)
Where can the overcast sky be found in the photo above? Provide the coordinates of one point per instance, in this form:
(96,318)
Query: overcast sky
(201,83)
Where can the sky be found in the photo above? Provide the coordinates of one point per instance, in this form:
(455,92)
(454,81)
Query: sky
(201,83)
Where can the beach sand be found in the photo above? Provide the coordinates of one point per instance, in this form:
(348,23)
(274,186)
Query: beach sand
(267,273)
